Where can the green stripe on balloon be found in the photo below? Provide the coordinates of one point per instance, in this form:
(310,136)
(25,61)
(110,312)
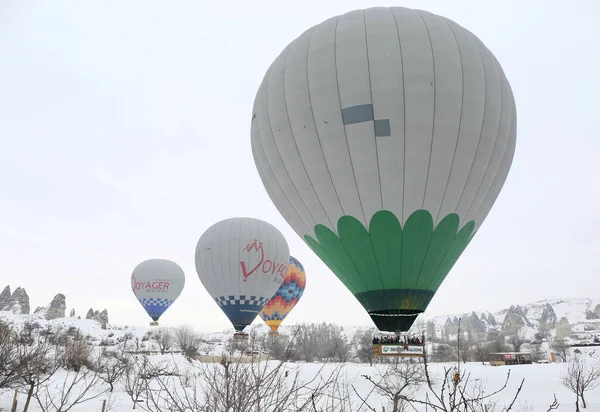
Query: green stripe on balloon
(390,269)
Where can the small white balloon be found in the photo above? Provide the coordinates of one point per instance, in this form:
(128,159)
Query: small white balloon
(157,283)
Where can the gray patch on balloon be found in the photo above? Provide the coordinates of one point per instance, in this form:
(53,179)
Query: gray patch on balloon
(383,128)
(357,114)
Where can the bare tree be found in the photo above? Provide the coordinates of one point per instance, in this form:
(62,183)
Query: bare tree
(11,365)
(187,340)
(455,392)
(77,387)
(237,385)
(164,338)
(41,361)
(561,348)
(517,341)
(481,353)
(111,367)
(135,380)
(363,340)
(77,354)
(580,376)
(398,382)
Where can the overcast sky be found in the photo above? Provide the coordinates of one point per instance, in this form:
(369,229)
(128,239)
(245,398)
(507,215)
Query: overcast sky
(125,133)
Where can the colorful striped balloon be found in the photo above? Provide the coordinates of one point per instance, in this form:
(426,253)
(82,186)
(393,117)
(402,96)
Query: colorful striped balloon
(288,295)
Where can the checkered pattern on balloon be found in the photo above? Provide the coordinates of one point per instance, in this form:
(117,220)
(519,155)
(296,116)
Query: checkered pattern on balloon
(156,306)
(286,297)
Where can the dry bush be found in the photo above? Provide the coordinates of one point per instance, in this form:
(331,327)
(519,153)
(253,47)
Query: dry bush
(234,385)
(188,341)
(580,376)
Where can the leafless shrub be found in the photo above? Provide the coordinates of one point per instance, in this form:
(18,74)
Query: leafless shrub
(187,340)
(399,382)
(110,368)
(363,341)
(455,392)
(135,380)
(580,376)
(78,354)
(40,360)
(11,365)
(164,339)
(561,348)
(235,385)
(517,341)
(77,387)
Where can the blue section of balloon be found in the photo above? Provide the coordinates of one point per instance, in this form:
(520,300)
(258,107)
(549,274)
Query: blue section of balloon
(155,307)
(241,310)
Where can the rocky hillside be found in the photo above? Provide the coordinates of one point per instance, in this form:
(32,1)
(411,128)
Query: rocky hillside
(17,303)
(577,320)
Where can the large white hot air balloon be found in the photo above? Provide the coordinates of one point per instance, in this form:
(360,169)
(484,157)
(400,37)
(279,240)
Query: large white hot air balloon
(157,283)
(242,262)
(384,136)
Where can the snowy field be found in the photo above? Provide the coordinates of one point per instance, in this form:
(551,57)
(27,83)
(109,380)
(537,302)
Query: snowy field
(541,382)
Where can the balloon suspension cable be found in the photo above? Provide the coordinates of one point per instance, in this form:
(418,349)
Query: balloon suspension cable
(396,315)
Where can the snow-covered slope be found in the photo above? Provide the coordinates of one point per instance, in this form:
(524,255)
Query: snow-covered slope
(582,315)
(579,316)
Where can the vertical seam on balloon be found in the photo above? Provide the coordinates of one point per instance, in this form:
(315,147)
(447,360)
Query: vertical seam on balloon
(275,183)
(493,149)
(434,104)
(337,82)
(502,80)
(403,144)
(312,111)
(503,160)
(485,91)
(231,241)
(211,263)
(210,283)
(430,150)
(373,107)
(268,161)
(377,157)
(508,142)
(462,103)
(219,262)
(278,151)
(366,225)
(257,149)
(403,119)
(294,138)
(244,285)
(226,230)
(453,158)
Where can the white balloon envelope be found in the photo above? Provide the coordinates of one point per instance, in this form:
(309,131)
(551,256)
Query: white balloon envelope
(384,136)
(157,283)
(242,262)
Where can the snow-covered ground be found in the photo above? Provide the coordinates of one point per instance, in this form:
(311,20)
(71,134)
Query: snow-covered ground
(542,381)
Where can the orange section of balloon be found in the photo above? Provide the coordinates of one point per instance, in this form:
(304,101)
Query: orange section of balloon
(286,297)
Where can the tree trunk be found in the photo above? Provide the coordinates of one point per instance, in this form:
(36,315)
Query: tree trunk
(583,400)
(29,395)
(15,401)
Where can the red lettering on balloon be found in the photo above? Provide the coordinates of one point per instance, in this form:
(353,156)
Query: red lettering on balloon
(257,247)
(265,264)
